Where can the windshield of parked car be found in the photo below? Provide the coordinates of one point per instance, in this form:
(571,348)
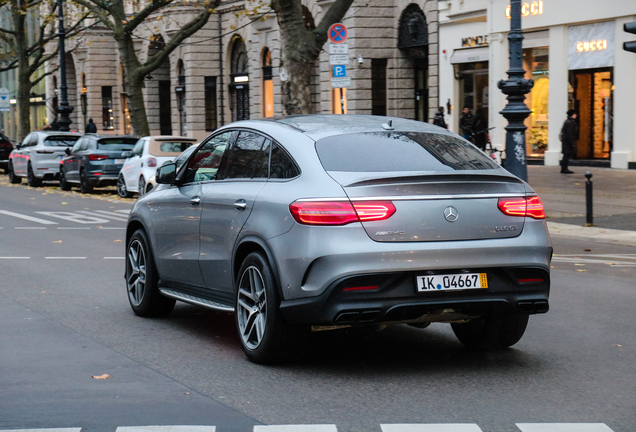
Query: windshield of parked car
(60,141)
(116,144)
(400,151)
(168,148)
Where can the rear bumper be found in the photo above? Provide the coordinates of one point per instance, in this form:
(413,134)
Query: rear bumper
(396,299)
(102,180)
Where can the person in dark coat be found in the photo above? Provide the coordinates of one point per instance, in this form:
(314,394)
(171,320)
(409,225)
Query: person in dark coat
(90,127)
(569,136)
(480,130)
(438,120)
(466,123)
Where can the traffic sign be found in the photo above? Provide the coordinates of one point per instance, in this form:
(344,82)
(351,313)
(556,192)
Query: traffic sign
(339,48)
(338,59)
(339,71)
(4,100)
(341,82)
(337,33)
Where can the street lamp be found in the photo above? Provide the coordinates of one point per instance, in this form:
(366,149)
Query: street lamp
(516,87)
(64,109)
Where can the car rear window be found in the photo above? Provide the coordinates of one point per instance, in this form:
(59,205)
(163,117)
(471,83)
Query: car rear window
(60,141)
(400,151)
(116,143)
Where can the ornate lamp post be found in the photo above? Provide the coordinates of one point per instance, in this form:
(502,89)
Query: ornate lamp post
(516,87)
(64,109)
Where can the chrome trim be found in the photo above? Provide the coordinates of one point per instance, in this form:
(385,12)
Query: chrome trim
(195,300)
(420,197)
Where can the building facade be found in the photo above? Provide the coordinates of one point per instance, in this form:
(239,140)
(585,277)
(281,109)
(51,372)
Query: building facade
(572,49)
(229,70)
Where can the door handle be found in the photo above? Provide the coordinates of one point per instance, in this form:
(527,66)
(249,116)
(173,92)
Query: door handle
(240,204)
(195,201)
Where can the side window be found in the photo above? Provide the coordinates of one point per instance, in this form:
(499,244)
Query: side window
(242,158)
(281,165)
(205,162)
(138,148)
(84,144)
(77,145)
(33,141)
(262,161)
(27,140)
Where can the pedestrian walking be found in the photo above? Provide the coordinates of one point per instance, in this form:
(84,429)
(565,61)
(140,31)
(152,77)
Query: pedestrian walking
(480,130)
(90,127)
(438,120)
(466,123)
(568,136)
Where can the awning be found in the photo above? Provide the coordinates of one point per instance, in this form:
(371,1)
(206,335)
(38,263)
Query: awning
(469,55)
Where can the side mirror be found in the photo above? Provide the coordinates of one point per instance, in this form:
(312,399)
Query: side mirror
(18,146)
(166,173)
(67,151)
(126,154)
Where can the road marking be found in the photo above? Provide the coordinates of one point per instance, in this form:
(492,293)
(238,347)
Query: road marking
(44,430)
(296,428)
(105,214)
(29,218)
(61,258)
(75,217)
(167,429)
(563,427)
(31,228)
(10,258)
(115,258)
(114,228)
(126,212)
(460,427)
(74,228)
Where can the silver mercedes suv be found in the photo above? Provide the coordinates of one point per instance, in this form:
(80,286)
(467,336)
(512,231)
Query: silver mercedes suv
(326,221)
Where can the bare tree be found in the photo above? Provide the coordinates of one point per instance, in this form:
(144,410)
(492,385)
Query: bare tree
(116,16)
(27,53)
(300,50)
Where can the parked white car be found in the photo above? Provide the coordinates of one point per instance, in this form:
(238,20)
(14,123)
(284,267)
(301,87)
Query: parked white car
(138,173)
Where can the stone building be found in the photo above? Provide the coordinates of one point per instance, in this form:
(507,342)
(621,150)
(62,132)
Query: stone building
(229,70)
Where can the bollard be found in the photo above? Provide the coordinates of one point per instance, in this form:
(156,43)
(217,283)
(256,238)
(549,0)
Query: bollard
(589,220)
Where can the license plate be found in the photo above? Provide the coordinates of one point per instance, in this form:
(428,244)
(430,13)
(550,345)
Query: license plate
(451,282)
(119,161)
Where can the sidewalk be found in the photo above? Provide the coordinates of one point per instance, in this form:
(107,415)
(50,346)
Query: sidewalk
(614,193)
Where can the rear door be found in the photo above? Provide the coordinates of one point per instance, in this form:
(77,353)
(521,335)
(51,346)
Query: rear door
(133,166)
(71,164)
(441,187)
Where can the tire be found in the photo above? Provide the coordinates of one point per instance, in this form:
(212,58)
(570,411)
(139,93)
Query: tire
(141,190)
(149,188)
(13,179)
(85,187)
(64,185)
(264,335)
(122,190)
(141,279)
(32,180)
(491,332)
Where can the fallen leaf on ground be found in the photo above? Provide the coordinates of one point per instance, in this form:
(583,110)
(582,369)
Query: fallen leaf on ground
(602,231)
(187,393)
(105,376)
(579,264)
(57,241)
(617,345)
(581,270)
(587,250)
(64,203)
(117,241)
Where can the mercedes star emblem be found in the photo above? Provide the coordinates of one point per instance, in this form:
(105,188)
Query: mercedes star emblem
(450,213)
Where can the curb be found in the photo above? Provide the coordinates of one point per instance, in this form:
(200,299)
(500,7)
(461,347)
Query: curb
(596,234)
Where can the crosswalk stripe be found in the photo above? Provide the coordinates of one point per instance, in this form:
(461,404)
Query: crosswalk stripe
(296,428)
(105,214)
(45,430)
(167,429)
(563,427)
(29,218)
(447,427)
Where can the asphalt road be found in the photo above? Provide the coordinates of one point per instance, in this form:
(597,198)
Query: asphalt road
(64,318)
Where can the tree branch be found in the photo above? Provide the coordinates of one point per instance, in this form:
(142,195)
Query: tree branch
(334,15)
(145,13)
(12,65)
(97,8)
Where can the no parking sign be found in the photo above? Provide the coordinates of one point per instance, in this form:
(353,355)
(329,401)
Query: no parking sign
(337,33)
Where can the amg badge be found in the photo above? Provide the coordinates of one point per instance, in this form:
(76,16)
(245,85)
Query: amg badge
(506,228)
(390,233)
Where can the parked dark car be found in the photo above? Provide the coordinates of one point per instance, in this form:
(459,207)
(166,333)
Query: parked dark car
(94,161)
(6,147)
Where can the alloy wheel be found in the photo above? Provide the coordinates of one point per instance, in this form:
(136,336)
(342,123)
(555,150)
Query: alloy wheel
(136,272)
(252,307)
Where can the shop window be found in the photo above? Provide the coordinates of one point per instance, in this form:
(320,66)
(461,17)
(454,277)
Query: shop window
(268,84)
(181,99)
(340,101)
(108,119)
(378,86)
(537,66)
(210,103)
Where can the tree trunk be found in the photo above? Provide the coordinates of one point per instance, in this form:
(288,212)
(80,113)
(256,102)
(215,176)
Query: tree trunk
(133,82)
(297,89)
(24,75)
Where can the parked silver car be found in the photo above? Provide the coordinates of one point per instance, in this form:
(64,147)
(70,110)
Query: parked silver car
(38,157)
(321,222)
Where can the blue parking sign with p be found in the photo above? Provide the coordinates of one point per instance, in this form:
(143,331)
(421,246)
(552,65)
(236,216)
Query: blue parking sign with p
(339,71)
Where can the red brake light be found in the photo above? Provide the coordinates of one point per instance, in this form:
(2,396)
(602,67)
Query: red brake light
(522,206)
(340,212)
(94,157)
(152,162)
(362,288)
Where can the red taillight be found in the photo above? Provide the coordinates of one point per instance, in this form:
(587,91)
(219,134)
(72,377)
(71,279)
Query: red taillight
(362,288)
(94,157)
(522,206)
(340,212)
(152,162)
(530,280)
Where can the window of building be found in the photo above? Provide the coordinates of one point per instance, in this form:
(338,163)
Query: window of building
(181,99)
(535,62)
(108,118)
(340,101)
(210,103)
(268,84)
(378,86)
